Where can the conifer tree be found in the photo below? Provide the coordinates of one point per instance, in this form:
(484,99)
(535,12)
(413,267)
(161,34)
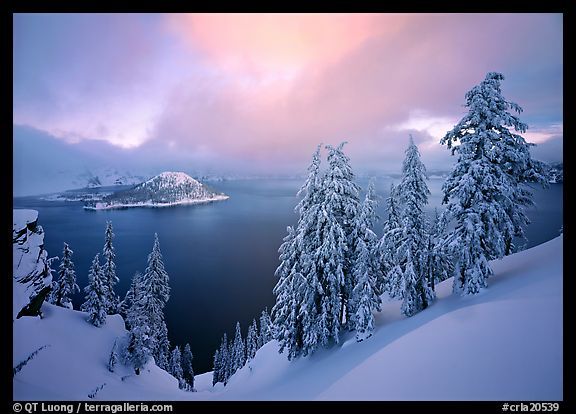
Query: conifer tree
(252,340)
(109,270)
(365,297)
(238,350)
(155,294)
(113,359)
(96,300)
(175,367)
(389,272)
(216,368)
(486,193)
(66,285)
(413,247)
(187,369)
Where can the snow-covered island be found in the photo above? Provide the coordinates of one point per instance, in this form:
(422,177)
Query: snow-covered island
(164,190)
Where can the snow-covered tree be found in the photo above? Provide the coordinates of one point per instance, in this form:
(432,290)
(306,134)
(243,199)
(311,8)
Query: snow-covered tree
(125,304)
(266,327)
(389,273)
(291,313)
(225,361)
(485,192)
(155,293)
(252,340)
(109,269)
(161,352)
(113,359)
(140,344)
(335,256)
(439,265)
(287,291)
(66,285)
(365,296)
(216,368)
(412,301)
(187,369)
(175,367)
(96,302)
(238,350)
(413,245)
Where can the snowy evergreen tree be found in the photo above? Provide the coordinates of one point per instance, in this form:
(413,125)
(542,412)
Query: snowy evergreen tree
(187,369)
(175,367)
(109,270)
(140,345)
(266,333)
(96,300)
(485,192)
(66,285)
(238,350)
(113,359)
(252,340)
(125,304)
(439,265)
(389,274)
(413,246)
(412,301)
(216,368)
(225,361)
(365,296)
(292,315)
(155,293)
(335,257)
(287,291)
(161,353)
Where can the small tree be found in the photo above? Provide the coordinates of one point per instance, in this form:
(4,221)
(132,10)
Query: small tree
(155,294)
(389,271)
(225,361)
(187,369)
(125,304)
(66,285)
(266,334)
(96,300)
(141,341)
(216,368)
(252,341)
(365,297)
(113,359)
(175,367)
(238,350)
(485,192)
(109,270)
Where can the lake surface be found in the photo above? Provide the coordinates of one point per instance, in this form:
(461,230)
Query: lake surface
(220,257)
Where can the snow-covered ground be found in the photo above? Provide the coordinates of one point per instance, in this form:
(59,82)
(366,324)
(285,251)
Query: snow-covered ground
(504,344)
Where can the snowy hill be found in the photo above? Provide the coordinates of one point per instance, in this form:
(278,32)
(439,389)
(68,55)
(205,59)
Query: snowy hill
(163,190)
(503,344)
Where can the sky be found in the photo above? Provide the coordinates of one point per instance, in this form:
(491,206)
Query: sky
(256,93)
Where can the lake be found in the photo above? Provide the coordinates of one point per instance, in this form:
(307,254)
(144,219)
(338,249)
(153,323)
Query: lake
(220,257)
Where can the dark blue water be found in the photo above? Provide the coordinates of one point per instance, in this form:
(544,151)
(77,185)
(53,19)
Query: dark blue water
(220,257)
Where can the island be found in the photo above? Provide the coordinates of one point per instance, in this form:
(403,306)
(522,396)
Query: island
(164,190)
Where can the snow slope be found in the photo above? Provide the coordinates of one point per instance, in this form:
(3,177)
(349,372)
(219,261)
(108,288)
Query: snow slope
(503,344)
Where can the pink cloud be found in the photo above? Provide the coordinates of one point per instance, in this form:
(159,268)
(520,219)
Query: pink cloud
(263,43)
(359,77)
